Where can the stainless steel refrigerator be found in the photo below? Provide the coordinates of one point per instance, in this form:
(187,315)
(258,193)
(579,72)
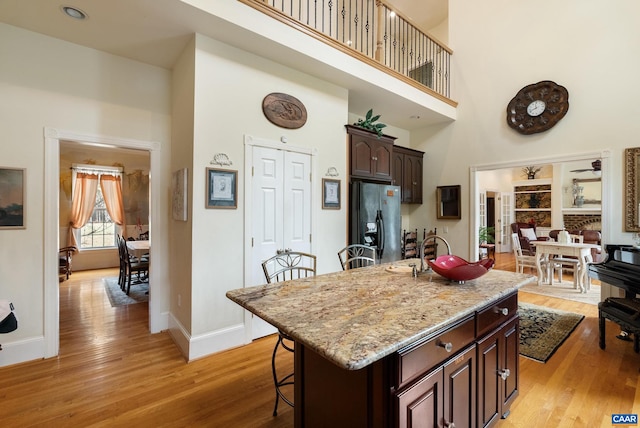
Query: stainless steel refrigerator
(375,218)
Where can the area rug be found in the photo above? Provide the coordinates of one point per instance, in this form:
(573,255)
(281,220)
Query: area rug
(139,292)
(565,291)
(543,330)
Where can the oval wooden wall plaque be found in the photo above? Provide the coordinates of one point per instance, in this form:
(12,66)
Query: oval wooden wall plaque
(284,110)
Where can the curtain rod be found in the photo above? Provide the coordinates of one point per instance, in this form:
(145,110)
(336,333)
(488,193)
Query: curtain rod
(97,169)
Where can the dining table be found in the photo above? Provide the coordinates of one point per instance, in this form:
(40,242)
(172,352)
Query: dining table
(545,250)
(138,248)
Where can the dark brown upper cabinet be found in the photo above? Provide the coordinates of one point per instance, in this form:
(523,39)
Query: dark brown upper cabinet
(407,173)
(370,155)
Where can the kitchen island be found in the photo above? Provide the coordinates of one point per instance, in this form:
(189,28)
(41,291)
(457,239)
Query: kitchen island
(377,347)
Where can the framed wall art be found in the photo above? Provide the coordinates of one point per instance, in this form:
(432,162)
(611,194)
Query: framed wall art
(12,198)
(330,194)
(221,188)
(448,202)
(179,195)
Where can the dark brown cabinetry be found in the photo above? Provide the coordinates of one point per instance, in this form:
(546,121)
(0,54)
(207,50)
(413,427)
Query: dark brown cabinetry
(465,375)
(445,397)
(370,155)
(497,373)
(497,360)
(407,173)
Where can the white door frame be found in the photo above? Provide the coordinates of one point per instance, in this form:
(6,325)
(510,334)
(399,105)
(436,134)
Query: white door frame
(505,239)
(52,137)
(249,143)
(474,198)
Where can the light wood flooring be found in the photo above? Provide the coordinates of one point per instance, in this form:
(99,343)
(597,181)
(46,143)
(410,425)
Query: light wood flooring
(112,372)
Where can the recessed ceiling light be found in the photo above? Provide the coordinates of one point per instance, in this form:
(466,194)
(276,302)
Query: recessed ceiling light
(74,12)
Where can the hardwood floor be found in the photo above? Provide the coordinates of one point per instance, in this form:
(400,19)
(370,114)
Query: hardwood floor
(112,372)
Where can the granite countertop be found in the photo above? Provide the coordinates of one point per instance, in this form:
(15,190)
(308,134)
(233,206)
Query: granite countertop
(359,316)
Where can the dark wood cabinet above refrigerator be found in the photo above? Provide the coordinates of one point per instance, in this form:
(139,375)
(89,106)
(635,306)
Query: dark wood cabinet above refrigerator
(407,173)
(370,155)
(377,159)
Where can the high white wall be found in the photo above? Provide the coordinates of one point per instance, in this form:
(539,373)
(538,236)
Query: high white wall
(45,82)
(500,47)
(180,232)
(230,85)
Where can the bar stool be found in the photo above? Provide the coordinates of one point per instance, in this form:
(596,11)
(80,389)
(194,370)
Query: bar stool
(285,266)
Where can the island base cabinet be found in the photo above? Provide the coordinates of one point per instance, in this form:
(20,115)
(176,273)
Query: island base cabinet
(498,374)
(445,397)
(329,396)
(464,376)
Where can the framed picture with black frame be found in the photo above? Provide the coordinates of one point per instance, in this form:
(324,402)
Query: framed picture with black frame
(221,188)
(12,198)
(330,194)
(448,202)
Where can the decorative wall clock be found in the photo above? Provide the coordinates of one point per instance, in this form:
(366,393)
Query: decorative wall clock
(537,107)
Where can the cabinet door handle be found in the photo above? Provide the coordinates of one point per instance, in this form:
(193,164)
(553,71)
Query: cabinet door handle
(374,158)
(504,374)
(503,311)
(448,346)
(449,424)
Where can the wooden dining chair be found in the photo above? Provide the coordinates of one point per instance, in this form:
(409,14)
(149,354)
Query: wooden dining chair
(286,265)
(522,260)
(65,255)
(133,266)
(567,263)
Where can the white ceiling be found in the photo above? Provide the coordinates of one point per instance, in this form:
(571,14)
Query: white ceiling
(156,31)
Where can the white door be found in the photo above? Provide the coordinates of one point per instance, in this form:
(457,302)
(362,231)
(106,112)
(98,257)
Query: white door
(506,214)
(281,211)
(482,209)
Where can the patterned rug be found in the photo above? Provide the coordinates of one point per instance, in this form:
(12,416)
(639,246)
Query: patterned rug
(139,292)
(543,330)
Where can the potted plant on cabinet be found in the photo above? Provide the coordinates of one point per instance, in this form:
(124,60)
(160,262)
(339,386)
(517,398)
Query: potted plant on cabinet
(369,123)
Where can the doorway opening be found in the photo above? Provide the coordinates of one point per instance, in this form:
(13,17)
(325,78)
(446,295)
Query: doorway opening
(53,138)
(478,190)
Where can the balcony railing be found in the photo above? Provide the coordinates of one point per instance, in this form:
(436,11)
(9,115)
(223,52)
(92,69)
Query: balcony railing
(373,29)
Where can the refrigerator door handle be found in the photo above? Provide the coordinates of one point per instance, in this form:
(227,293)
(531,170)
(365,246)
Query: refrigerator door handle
(380,227)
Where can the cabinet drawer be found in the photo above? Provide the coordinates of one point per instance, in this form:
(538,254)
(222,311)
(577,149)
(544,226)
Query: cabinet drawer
(417,359)
(494,315)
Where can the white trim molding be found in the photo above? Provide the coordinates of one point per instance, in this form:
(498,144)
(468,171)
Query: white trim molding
(158,319)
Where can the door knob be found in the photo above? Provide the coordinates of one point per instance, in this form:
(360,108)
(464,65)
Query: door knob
(504,374)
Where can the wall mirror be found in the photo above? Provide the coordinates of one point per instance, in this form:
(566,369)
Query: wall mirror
(632,189)
(448,202)
(587,192)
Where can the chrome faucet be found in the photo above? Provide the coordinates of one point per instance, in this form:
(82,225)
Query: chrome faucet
(433,239)
(422,257)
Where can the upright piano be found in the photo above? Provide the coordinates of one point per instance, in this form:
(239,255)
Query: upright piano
(621,269)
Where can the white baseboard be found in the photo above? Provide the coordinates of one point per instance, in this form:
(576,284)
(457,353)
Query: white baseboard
(21,351)
(195,347)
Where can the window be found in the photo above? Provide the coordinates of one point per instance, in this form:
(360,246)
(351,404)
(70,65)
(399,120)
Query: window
(97,212)
(100,230)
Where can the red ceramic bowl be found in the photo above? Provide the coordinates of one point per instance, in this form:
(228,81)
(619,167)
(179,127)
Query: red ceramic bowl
(458,269)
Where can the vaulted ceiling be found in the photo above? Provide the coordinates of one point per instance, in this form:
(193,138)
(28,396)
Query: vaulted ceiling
(156,31)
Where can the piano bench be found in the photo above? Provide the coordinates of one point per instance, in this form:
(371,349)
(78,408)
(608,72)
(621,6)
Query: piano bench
(624,312)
